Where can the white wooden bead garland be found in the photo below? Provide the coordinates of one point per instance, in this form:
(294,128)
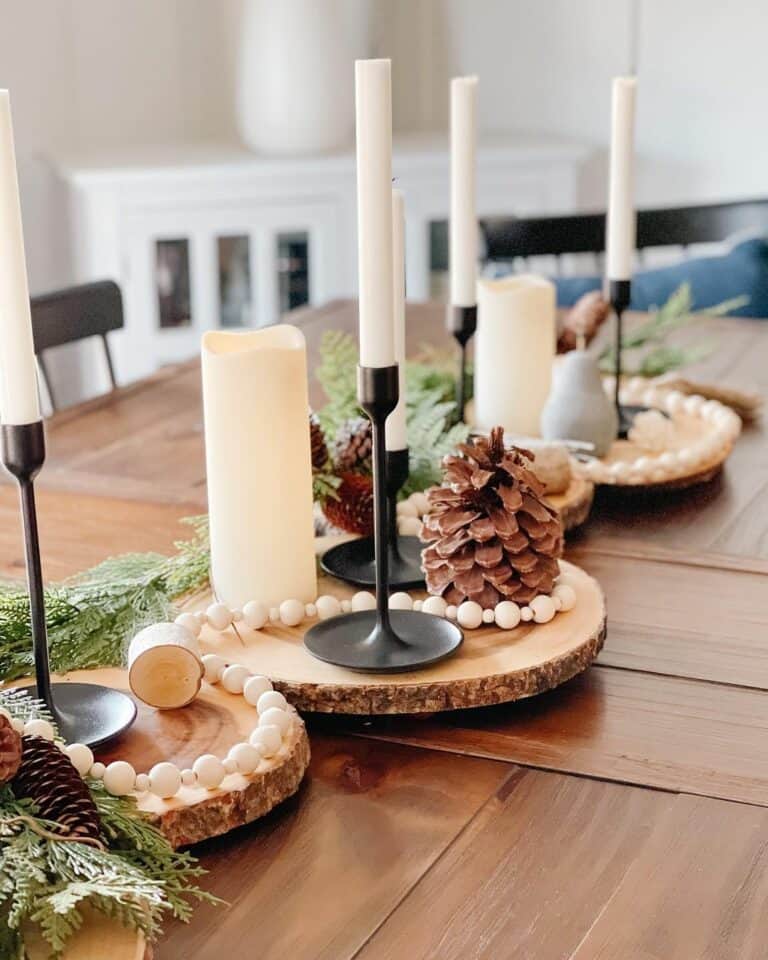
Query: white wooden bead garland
(657,464)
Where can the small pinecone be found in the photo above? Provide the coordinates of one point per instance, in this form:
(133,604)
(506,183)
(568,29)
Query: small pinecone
(319,446)
(492,534)
(10,750)
(353,446)
(48,777)
(353,510)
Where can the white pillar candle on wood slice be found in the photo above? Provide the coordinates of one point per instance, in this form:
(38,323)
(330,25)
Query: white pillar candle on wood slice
(164,666)
(463,221)
(396,429)
(514,351)
(18,369)
(259,467)
(373,108)
(620,226)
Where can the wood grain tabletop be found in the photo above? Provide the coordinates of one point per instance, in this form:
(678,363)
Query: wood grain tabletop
(623,815)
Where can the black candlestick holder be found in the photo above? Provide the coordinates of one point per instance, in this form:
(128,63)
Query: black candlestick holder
(382,640)
(462,323)
(84,712)
(355,560)
(619,296)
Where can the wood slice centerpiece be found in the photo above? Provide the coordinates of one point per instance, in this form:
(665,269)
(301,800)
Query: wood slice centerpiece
(575,503)
(492,666)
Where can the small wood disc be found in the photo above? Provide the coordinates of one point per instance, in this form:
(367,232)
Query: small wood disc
(574,504)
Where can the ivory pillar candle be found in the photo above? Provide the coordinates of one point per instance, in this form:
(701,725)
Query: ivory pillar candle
(259,466)
(463,221)
(397,436)
(620,228)
(373,109)
(18,369)
(514,351)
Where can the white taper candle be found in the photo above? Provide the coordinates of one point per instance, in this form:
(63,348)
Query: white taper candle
(463,224)
(620,229)
(397,436)
(18,370)
(373,103)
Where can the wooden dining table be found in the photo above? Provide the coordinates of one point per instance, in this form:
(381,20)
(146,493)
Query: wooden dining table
(623,815)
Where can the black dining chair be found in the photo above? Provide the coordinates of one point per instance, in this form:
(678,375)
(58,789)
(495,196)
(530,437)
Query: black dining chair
(76,313)
(510,238)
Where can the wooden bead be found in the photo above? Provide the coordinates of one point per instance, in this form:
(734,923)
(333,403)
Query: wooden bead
(346,606)
(267,737)
(409,526)
(214,667)
(38,727)
(142,783)
(229,765)
(119,778)
(310,611)
(97,770)
(487,616)
(363,600)
(274,614)
(469,615)
(526,614)
(189,622)
(417,605)
(451,611)
(269,699)
(209,771)
(219,616)
(255,615)
(291,612)
(245,757)
(507,615)
(327,607)
(165,780)
(81,757)
(566,595)
(543,608)
(254,688)
(421,502)
(434,605)
(234,678)
(407,508)
(275,717)
(400,601)
(188,778)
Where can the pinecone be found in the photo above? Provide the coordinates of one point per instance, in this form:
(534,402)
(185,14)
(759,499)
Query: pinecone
(353,510)
(48,777)
(319,446)
(353,445)
(493,536)
(10,750)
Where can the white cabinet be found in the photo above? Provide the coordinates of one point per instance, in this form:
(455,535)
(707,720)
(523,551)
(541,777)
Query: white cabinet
(206,236)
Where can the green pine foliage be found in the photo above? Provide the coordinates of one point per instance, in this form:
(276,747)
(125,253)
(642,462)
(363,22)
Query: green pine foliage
(138,879)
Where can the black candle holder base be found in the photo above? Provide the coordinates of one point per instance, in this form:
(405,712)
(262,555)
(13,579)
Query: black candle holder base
(360,642)
(627,414)
(88,713)
(355,562)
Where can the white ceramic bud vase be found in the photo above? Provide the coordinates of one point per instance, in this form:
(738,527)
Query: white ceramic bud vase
(577,407)
(295,84)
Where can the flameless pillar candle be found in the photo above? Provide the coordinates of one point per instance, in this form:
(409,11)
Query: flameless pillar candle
(258,465)
(373,108)
(463,224)
(514,352)
(397,437)
(18,369)
(621,208)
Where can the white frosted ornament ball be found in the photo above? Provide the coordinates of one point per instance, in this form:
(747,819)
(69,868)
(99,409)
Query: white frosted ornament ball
(165,780)
(39,728)
(327,607)
(507,614)
(219,616)
(189,622)
(81,757)
(254,687)
(275,717)
(291,612)
(566,595)
(245,757)
(268,738)
(209,771)
(119,778)
(269,699)
(409,526)
(434,605)
(400,601)
(142,783)
(188,778)
(234,677)
(255,614)
(469,615)
(214,667)
(363,600)
(543,608)
(97,770)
